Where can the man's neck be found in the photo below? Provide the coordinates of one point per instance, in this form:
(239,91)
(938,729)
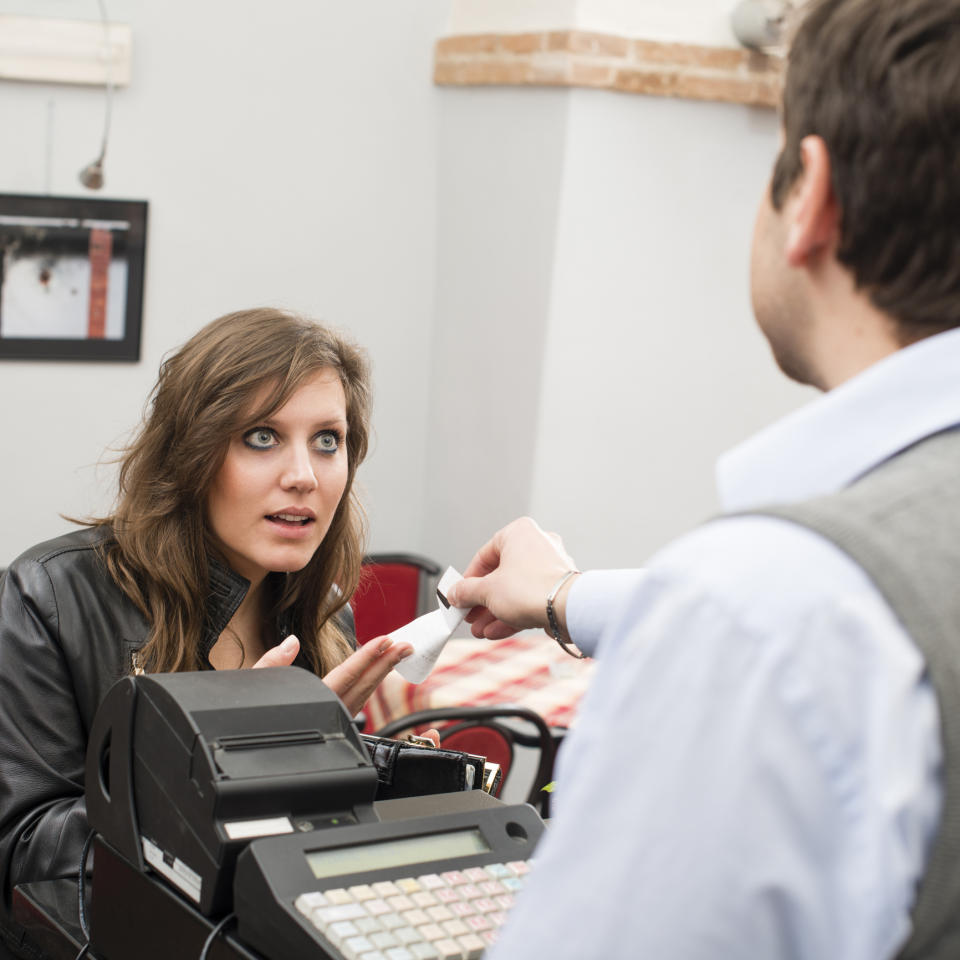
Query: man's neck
(851,333)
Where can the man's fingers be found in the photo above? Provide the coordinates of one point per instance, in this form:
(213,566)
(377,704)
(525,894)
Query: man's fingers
(489,627)
(481,621)
(485,560)
(469,592)
(498,630)
(474,614)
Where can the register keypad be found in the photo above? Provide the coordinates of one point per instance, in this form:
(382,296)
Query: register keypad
(447,916)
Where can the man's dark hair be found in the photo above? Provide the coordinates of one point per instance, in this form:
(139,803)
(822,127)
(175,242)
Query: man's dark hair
(879,81)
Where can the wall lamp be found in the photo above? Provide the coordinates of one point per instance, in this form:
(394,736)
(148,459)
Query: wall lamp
(91,176)
(762,24)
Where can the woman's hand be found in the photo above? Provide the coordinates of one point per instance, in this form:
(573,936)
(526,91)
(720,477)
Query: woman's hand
(357,677)
(282,655)
(360,674)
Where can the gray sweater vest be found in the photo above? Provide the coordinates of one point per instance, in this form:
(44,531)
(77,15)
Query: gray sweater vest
(900,523)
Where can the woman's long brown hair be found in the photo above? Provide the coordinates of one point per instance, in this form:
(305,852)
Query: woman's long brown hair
(203,396)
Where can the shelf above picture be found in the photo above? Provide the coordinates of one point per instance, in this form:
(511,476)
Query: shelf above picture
(64,51)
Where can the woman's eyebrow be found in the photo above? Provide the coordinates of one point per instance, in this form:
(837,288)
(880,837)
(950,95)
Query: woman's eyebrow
(271,419)
(335,421)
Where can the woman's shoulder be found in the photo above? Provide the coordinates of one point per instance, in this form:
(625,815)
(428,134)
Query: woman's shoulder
(85,539)
(77,543)
(67,584)
(76,553)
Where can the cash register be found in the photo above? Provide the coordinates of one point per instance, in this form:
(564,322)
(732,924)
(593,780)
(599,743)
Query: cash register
(251,792)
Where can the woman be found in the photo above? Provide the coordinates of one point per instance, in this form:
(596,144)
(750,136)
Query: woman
(236,531)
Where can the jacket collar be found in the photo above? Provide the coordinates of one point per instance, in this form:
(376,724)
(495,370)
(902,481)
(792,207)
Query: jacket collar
(227,590)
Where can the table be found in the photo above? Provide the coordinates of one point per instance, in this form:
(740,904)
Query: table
(528,669)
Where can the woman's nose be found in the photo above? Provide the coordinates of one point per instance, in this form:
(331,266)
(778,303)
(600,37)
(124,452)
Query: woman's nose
(298,472)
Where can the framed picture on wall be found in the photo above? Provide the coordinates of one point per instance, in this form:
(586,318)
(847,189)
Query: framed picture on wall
(71,278)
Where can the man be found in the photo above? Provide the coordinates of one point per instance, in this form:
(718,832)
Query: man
(765,765)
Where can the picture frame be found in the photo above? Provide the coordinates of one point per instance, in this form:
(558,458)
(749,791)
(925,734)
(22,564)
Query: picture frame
(71,278)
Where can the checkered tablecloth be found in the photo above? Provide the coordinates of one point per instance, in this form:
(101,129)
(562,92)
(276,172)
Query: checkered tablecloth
(528,669)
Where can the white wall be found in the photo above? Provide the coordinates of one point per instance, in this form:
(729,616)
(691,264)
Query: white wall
(289,154)
(690,21)
(685,21)
(552,283)
(595,348)
(501,167)
(653,365)
(512,16)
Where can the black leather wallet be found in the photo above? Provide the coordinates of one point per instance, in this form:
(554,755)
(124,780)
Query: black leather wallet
(406,769)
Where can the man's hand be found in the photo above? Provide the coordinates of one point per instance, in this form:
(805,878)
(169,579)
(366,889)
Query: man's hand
(357,677)
(508,580)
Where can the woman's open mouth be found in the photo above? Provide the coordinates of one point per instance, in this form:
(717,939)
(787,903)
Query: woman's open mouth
(291,520)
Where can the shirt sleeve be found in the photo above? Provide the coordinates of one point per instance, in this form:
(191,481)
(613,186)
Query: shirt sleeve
(744,780)
(594,598)
(43,820)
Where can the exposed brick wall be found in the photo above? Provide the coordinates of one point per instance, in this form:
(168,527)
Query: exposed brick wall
(577,58)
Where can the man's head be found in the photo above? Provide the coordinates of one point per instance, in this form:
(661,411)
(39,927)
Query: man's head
(878,81)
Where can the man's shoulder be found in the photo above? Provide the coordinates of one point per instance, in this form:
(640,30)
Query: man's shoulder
(751,575)
(760,563)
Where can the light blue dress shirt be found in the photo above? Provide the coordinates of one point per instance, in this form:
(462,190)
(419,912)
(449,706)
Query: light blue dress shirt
(756,770)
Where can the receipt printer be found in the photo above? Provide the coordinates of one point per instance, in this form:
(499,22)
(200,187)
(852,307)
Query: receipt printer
(184,769)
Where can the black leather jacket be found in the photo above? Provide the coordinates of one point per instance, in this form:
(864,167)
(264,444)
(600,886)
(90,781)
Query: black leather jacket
(67,633)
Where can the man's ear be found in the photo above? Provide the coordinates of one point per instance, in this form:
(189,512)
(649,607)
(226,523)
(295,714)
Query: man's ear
(811,209)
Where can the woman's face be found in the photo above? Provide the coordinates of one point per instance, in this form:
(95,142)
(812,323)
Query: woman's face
(272,501)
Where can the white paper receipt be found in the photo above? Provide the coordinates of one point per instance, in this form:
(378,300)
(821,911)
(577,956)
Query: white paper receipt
(428,635)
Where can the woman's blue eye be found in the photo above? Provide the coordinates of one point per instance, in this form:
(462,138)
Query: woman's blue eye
(260,438)
(327,442)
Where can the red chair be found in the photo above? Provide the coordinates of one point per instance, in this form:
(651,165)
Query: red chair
(394,589)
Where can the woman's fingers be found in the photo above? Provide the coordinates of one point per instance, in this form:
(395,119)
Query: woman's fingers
(380,656)
(281,655)
(359,675)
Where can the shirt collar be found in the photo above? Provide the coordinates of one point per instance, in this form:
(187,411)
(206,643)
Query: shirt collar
(828,443)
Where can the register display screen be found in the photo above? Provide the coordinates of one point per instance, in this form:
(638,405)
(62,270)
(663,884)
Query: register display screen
(395,853)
